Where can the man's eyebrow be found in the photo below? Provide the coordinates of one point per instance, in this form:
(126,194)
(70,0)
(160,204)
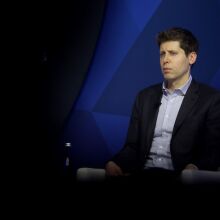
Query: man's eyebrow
(168,50)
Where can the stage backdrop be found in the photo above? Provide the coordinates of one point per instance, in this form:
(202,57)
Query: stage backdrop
(126,60)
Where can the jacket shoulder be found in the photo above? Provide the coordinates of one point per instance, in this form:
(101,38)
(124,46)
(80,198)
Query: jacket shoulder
(207,88)
(151,89)
(207,91)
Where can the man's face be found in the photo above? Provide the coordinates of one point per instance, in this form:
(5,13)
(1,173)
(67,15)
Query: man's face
(175,65)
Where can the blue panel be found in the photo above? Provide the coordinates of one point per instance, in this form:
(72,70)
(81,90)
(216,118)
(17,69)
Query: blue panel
(113,128)
(215,81)
(141,10)
(117,36)
(88,145)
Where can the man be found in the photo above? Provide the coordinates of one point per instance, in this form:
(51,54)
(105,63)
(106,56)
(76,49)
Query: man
(174,125)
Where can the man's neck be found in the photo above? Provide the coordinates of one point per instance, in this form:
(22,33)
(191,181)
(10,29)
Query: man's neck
(177,83)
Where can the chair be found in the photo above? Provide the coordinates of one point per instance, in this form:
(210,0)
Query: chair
(187,177)
(203,177)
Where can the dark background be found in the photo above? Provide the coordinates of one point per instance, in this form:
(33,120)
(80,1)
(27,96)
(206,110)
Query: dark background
(49,48)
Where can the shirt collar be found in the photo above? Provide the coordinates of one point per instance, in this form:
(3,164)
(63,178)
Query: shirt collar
(182,90)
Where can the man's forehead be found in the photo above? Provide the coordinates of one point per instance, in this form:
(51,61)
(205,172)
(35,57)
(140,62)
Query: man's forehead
(170,45)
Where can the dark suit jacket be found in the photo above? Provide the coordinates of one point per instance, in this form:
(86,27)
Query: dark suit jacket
(196,133)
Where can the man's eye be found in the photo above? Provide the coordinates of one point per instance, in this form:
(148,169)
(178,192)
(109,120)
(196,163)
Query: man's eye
(173,53)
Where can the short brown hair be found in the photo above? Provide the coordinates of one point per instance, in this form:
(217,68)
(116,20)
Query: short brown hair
(187,40)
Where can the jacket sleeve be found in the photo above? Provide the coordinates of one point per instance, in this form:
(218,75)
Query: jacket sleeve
(127,157)
(211,158)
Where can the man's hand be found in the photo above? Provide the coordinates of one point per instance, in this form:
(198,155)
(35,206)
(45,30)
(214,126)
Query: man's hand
(191,166)
(112,169)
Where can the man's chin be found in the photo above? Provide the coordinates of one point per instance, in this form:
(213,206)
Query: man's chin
(167,77)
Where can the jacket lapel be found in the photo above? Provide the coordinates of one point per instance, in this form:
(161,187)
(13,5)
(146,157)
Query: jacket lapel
(151,117)
(187,104)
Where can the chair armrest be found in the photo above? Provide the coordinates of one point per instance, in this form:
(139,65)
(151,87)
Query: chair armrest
(200,177)
(86,174)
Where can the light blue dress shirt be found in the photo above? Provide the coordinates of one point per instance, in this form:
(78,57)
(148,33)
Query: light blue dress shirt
(160,155)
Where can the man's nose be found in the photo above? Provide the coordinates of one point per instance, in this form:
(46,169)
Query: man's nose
(166,58)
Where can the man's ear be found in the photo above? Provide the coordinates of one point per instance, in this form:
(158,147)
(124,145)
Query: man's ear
(192,57)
